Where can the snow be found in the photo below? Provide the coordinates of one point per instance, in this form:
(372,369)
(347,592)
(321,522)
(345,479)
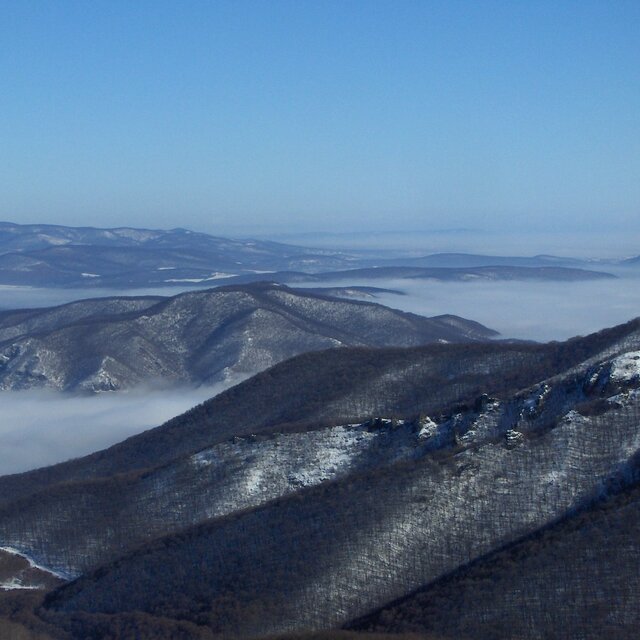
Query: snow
(428,428)
(32,563)
(203,458)
(626,367)
(52,239)
(14,583)
(214,276)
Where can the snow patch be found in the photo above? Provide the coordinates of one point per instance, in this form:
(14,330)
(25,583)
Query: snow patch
(626,367)
(428,428)
(14,583)
(218,275)
(203,458)
(33,564)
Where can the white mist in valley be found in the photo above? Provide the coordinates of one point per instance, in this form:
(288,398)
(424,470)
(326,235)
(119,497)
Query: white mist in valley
(527,310)
(539,311)
(39,428)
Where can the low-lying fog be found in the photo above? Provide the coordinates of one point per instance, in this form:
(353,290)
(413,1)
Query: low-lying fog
(14,297)
(533,310)
(39,428)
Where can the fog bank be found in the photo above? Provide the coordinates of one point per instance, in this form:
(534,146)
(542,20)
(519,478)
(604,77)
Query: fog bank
(530,310)
(39,428)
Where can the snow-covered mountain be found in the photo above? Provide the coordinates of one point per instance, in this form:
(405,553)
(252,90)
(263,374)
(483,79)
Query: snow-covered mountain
(200,337)
(340,482)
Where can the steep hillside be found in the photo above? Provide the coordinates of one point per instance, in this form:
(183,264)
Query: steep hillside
(579,578)
(374,509)
(200,337)
(476,480)
(338,482)
(338,387)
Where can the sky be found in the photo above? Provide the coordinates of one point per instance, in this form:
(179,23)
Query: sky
(247,118)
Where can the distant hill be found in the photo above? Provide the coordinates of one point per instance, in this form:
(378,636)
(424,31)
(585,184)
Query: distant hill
(121,258)
(58,256)
(442,274)
(200,337)
(467,260)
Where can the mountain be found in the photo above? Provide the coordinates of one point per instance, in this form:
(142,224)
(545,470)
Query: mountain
(338,483)
(198,337)
(443,274)
(57,256)
(470,260)
(122,258)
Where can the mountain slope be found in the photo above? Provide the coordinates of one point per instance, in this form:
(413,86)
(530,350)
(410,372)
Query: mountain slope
(408,501)
(333,552)
(576,579)
(336,387)
(199,337)
(294,500)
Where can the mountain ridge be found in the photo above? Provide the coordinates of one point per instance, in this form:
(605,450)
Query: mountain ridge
(198,337)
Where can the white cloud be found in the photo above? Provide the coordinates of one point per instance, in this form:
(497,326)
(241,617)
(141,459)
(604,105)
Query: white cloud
(39,428)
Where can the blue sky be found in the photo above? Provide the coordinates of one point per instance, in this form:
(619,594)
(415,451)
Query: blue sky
(245,117)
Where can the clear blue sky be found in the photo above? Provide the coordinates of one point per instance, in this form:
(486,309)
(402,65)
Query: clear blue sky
(240,116)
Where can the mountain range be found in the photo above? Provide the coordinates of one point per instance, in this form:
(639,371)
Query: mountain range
(125,258)
(484,490)
(441,274)
(58,256)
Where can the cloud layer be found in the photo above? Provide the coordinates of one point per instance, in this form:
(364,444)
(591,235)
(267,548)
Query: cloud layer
(39,428)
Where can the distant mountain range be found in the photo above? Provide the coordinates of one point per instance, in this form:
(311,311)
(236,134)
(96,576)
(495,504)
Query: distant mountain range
(442,274)
(199,337)
(485,490)
(84,257)
(466,260)
(52,255)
